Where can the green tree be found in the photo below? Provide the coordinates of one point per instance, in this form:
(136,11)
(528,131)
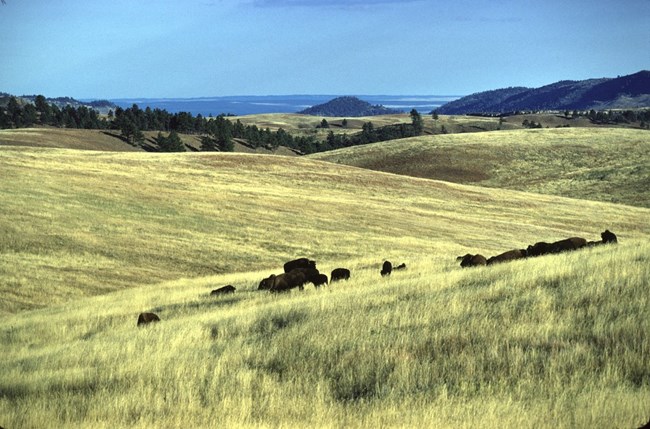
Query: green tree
(416,122)
(324,123)
(171,143)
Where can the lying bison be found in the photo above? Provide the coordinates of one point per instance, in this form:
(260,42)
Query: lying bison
(386,269)
(510,255)
(565,245)
(146,318)
(223,290)
(294,278)
(608,237)
(299,263)
(470,260)
(339,274)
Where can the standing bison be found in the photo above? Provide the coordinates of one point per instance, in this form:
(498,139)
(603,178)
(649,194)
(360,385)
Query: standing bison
(320,280)
(470,260)
(266,283)
(510,255)
(295,278)
(339,274)
(146,318)
(299,263)
(386,269)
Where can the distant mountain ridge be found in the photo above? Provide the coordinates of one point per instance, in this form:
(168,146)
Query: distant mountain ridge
(348,106)
(631,91)
(102,106)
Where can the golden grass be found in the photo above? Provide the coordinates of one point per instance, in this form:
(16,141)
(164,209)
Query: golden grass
(90,239)
(602,164)
(79,223)
(557,341)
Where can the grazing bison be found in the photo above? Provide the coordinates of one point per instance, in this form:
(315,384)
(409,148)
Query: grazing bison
(266,283)
(299,263)
(539,249)
(320,280)
(223,290)
(339,274)
(145,318)
(510,255)
(386,269)
(470,260)
(401,266)
(608,237)
(294,278)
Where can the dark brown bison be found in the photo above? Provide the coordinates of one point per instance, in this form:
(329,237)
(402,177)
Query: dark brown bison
(266,283)
(510,255)
(299,263)
(470,260)
(145,318)
(386,269)
(320,280)
(539,249)
(339,274)
(608,237)
(645,426)
(565,245)
(594,243)
(294,278)
(223,290)
(401,266)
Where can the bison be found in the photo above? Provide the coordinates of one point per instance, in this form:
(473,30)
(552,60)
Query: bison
(223,290)
(386,269)
(320,280)
(299,263)
(294,278)
(339,274)
(401,266)
(608,237)
(470,260)
(565,245)
(510,255)
(145,318)
(266,283)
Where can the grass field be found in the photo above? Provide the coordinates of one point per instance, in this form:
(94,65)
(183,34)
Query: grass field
(603,164)
(90,239)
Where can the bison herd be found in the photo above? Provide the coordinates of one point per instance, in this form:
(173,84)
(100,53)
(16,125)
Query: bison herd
(537,249)
(299,272)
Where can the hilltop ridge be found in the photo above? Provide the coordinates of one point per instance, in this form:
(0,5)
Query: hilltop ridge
(631,91)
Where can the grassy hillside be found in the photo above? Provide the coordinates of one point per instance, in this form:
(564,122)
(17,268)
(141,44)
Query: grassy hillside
(78,223)
(90,239)
(603,164)
(552,342)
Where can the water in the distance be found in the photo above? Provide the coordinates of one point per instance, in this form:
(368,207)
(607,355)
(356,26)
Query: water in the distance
(253,104)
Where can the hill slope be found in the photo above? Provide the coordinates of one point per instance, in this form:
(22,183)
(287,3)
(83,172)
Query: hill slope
(79,223)
(630,91)
(604,164)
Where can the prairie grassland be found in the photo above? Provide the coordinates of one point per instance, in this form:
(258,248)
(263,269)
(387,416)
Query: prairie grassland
(79,223)
(557,341)
(602,164)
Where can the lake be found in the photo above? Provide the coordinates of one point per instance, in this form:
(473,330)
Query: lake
(254,104)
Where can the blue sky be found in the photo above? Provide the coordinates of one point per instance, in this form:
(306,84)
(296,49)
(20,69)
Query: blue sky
(193,48)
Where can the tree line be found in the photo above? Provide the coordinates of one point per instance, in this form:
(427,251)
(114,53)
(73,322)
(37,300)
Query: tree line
(217,134)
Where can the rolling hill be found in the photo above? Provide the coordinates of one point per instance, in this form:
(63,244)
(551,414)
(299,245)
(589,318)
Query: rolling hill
(631,91)
(602,164)
(89,239)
